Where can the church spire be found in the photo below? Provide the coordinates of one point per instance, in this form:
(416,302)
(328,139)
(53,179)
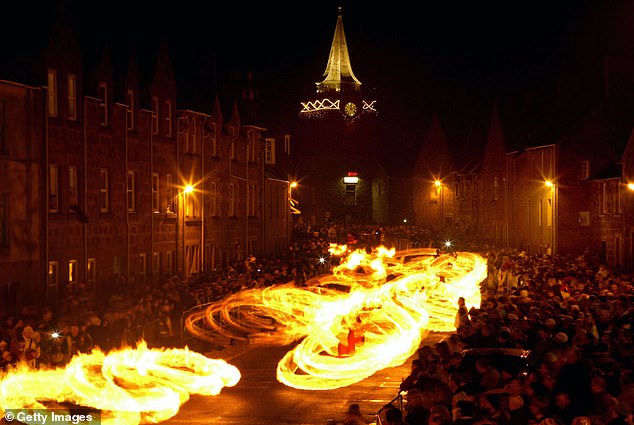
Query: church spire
(338,71)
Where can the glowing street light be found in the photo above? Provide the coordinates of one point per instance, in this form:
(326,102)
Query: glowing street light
(553,237)
(292,202)
(188,189)
(630,186)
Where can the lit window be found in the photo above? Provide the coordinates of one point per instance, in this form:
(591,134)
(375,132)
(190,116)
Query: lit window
(52,92)
(496,189)
(155,115)
(72,97)
(53,188)
(130,111)
(53,273)
(103,103)
(104,195)
(91,272)
(72,271)
(130,191)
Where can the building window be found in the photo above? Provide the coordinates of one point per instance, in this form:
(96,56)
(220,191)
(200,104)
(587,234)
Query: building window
(191,205)
(213,199)
(130,191)
(72,97)
(53,188)
(269,151)
(540,213)
(4,220)
(287,144)
(584,169)
(604,198)
(549,212)
(495,192)
(351,194)
(130,111)
(103,104)
(73,194)
(155,115)
(232,149)
(91,272)
(104,193)
(619,193)
(168,118)
(212,140)
(72,271)
(4,145)
(232,200)
(171,196)
(52,92)
(155,192)
(53,273)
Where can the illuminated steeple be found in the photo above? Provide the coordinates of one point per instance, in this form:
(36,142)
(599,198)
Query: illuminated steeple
(338,71)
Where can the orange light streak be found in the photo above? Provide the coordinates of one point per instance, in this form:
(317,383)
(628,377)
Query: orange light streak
(129,386)
(391,304)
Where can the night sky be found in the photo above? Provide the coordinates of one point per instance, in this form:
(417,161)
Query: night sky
(450,57)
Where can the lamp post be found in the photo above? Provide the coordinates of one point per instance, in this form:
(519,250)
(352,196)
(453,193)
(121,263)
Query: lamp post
(292,202)
(553,191)
(439,188)
(182,197)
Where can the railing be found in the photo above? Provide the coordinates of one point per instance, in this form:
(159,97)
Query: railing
(380,415)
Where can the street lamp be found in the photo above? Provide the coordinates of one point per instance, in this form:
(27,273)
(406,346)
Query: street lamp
(553,189)
(182,197)
(292,202)
(439,188)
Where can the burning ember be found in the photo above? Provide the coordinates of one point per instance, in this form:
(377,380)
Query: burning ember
(370,314)
(130,386)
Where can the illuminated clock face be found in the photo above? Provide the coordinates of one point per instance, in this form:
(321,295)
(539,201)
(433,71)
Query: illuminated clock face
(350,109)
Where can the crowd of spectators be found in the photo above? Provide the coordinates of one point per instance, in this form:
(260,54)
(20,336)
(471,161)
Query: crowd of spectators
(574,314)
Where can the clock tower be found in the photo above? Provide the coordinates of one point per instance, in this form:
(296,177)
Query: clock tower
(340,175)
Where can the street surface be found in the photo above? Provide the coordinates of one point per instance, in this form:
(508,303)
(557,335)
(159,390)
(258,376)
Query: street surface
(259,399)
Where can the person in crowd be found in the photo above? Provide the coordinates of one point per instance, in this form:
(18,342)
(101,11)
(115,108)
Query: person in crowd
(353,416)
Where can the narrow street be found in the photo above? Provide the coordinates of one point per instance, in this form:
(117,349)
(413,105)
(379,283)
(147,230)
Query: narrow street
(259,399)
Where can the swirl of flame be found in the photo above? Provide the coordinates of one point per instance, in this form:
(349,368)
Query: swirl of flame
(129,386)
(391,303)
